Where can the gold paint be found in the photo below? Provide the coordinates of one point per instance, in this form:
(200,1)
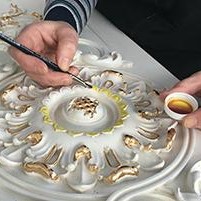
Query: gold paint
(17,129)
(148,134)
(131,141)
(34,138)
(82,151)
(147,147)
(170,138)
(84,103)
(41,169)
(150,114)
(180,106)
(93,168)
(8,18)
(37,15)
(120,173)
(25,98)
(22,109)
(14,11)
(111,158)
(5,92)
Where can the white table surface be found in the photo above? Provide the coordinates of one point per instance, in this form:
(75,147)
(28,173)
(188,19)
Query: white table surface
(108,36)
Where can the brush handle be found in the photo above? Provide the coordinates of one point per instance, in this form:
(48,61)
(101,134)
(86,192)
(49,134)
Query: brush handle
(30,52)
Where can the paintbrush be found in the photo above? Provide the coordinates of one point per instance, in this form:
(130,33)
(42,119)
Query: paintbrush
(48,62)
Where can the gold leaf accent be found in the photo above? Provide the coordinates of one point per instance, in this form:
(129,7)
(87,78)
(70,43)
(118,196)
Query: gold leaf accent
(147,147)
(93,168)
(41,169)
(82,151)
(170,138)
(150,114)
(131,141)
(25,98)
(7,90)
(17,129)
(37,15)
(86,104)
(120,173)
(34,138)
(22,109)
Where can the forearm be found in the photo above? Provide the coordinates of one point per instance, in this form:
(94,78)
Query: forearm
(75,12)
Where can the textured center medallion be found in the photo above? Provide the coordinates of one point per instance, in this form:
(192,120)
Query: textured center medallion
(81,111)
(86,105)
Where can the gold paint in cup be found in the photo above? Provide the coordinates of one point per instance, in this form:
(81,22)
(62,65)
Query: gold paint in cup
(179,104)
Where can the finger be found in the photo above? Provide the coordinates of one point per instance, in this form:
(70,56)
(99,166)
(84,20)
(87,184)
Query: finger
(193,120)
(190,85)
(67,46)
(28,63)
(73,70)
(53,79)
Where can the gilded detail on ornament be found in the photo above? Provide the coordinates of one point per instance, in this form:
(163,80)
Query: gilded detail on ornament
(6,91)
(131,141)
(82,151)
(170,138)
(86,104)
(121,173)
(8,18)
(150,114)
(34,138)
(93,168)
(22,109)
(41,169)
(15,130)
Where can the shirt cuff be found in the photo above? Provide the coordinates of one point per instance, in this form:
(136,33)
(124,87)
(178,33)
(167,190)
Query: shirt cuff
(60,13)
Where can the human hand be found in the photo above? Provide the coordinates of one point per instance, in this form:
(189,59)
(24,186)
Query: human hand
(54,40)
(190,85)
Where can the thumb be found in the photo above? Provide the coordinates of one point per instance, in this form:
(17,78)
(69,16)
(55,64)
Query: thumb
(193,120)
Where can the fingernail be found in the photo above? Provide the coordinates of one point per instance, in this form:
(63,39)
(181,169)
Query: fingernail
(64,64)
(190,122)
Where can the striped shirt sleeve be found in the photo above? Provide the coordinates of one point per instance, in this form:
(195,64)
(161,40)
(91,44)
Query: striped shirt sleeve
(75,12)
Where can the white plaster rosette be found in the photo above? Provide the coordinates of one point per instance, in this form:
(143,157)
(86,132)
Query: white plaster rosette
(193,181)
(123,139)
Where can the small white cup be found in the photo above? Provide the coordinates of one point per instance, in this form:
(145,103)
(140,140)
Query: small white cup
(182,97)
